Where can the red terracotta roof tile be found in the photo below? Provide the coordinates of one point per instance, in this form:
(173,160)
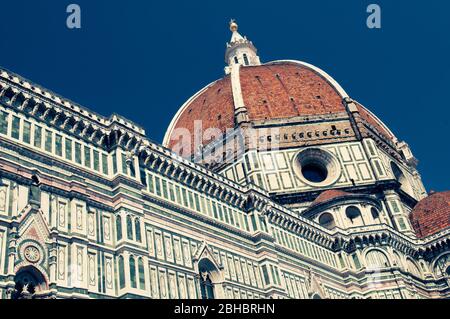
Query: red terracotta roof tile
(270,92)
(329,195)
(431,214)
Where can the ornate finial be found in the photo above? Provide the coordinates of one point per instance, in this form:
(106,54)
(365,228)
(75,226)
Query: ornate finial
(233,25)
(240,50)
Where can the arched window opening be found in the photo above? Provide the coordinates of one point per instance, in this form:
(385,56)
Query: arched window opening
(442,266)
(327,220)
(8,95)
(206,286)
(18,101)
(353,213)
(316,296)
(133,272)
(376,259)
(375,213)
(29,281)
(119,227)
(207,274)
(137,230)
(236,61)
(121,272)
(35,191)
(129,227)
(246,62)
(141,274)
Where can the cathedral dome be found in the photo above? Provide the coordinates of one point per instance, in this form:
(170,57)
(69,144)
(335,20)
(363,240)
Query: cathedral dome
(431,214)
(284,91)
(280,90)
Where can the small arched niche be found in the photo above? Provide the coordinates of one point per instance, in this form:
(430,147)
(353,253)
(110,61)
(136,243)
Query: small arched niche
(353,213)
(327,220)
(35,190)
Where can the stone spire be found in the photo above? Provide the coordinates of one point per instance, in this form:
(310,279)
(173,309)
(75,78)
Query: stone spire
(240,50)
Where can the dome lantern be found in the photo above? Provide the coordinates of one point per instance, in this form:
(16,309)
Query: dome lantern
(240,50)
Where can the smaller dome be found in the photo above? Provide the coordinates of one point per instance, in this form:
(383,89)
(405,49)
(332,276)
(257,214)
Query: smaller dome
(431,214)
(329,195)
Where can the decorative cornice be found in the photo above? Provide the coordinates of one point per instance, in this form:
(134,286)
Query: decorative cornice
(24,97)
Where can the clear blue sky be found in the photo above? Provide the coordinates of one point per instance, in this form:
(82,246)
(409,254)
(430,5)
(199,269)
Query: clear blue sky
(143,59)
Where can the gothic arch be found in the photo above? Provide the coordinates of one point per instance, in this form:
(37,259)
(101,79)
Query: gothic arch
(441,266)
(327,220)
(206,264)
(210,279)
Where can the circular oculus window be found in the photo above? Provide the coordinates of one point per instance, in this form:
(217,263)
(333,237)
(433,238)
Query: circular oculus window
(32,254)
(317,167)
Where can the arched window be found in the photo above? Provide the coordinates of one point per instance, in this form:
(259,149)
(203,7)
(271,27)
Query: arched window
(206,286)
(119,227)
(375,213)
(236,61)
(35,191)
(376,259)
(352,213)
(326,220)
(129,227)
(35,180)
(141,274)
(442,266)
(121,272)
(133,272)
(137,229)
(245,59)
